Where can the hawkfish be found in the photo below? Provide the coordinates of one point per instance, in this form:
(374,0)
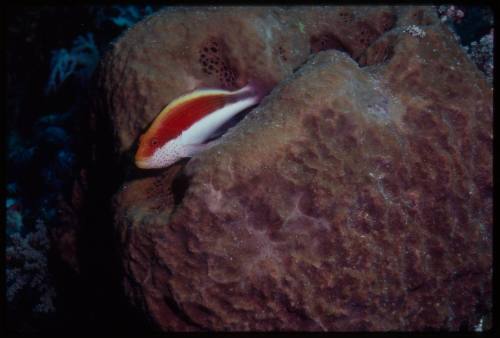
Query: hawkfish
(183,127)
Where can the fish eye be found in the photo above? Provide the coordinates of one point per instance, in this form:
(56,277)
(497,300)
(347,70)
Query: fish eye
(154,142)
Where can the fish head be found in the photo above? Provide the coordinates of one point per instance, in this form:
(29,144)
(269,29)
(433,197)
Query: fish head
(152,153)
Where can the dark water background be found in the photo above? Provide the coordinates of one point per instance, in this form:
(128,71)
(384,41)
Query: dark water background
(51,56)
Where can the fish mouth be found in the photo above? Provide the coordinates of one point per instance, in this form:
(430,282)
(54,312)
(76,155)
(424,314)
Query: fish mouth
(142,163)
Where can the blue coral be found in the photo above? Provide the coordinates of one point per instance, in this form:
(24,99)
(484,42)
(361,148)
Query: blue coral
(54,135)
(81,60)
(65,160)
(19,153)
(46,159)
(129,15)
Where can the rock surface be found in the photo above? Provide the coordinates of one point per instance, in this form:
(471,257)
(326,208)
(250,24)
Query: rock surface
(356,196)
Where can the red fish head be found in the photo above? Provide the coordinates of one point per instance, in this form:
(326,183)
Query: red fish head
(148,145)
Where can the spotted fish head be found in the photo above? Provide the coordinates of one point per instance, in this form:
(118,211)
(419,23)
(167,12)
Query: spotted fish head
(152,154)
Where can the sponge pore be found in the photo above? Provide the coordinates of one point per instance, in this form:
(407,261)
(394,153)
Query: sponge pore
(214,61)
(325,41)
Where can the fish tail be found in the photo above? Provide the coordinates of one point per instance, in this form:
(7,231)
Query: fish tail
(252,89)
(249,88)
(259,87)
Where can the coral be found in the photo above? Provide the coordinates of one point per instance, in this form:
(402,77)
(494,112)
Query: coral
(14,220)
(11,188)
(26,268)
(351,199)
(53,135)
(81,60)
(51,180)
(20,152)
(450,13)
(53,119)
(44,148)
(10,202)
(47,210)
(65,160)
(414,30)
(174,53)
(481,53)
(128,15)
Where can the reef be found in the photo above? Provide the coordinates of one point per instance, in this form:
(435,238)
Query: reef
(356,197)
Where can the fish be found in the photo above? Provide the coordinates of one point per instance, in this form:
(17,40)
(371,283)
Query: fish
(181,129)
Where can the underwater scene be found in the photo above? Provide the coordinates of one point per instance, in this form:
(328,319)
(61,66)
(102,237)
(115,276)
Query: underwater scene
(246,168)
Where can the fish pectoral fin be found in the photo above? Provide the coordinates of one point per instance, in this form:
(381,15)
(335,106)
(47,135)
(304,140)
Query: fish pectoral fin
(192,149)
